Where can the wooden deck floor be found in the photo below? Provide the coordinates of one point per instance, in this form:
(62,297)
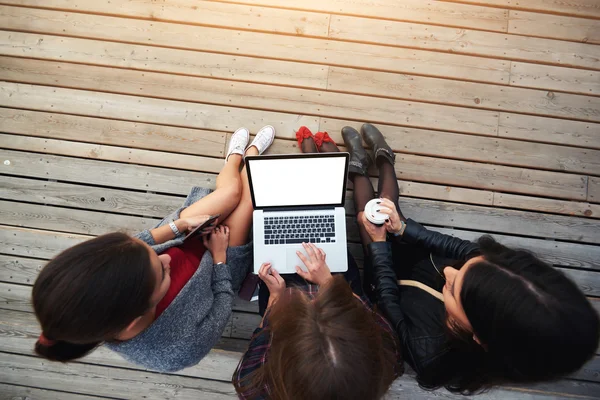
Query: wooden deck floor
(111,110)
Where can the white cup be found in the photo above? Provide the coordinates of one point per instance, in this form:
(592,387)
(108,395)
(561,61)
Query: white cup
(372,215)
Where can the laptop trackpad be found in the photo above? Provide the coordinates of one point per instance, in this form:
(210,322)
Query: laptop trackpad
(293,260)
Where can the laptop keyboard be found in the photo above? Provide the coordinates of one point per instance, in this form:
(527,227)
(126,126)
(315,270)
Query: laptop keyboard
(298,229)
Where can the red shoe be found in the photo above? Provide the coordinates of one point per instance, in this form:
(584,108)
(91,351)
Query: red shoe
(303,133)
(322,137)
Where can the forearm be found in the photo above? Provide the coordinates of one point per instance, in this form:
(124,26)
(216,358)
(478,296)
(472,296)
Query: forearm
(165,233)
(438,243)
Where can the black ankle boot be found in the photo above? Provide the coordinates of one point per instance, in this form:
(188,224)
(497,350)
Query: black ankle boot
(376,141)
(359,159)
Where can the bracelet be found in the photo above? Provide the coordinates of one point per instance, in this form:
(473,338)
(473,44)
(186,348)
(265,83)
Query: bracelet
(220,263)
(174,228)
(401,230)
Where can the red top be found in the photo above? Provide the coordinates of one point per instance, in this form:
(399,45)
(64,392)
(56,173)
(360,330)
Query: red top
(185,260)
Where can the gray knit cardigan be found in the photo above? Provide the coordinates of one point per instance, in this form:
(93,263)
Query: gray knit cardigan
(193,323)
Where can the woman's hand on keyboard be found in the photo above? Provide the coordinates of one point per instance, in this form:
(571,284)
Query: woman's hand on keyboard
(318,271)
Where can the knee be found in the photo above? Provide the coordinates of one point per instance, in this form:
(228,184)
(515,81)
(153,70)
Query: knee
(234,191)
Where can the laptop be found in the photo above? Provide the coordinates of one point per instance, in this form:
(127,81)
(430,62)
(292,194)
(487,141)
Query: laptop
(298,198)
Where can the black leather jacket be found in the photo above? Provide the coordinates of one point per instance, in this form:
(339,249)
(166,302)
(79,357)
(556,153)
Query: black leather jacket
(417,316)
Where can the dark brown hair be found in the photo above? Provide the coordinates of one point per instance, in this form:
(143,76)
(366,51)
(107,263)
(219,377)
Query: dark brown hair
(327,348)
(535,324)
(90,292)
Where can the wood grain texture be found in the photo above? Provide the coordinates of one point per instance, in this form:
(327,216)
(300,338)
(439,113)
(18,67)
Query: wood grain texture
(436,13)
(502,221)
(527,127)
(584,8)
(152,58)
(36,243)
(491,177)
(113,153)
(554,26)
(15,392)
(71,220)
(96,172)
(464,41)
(248,95)
(575,208)
(464,94)
(88,197)
(555,78)
(594,190)
(111,132)
(254,44)
(118,384)
(232,16)
(19,270)
(144,109)
(493,150)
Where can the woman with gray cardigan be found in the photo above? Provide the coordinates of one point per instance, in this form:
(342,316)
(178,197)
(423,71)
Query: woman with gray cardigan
(159,302)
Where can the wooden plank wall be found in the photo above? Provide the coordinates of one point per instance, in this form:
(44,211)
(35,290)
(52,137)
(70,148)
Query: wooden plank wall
(111,110)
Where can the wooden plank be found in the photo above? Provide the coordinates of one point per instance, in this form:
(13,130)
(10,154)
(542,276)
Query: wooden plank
(111,132)
(144,109)
(88,197)
(527,127)
(469,42)
(19,331)
(594,190)
(476,148)
(555,78)
(584,8)
(435,13)
(14,392)
(574,208)
(152,58)
(19,270)
(587,281)
(492,177)
(244,324)
(247,95)
(254,44)
(501,220)
(15,297)
(70,220)
(36,243)
(115,383)
(104,173)
(554,26)
(221,14)
(112,153)
(573,255)
(464,94)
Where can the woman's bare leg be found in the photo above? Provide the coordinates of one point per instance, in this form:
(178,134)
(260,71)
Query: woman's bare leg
(226,196)
(240,220)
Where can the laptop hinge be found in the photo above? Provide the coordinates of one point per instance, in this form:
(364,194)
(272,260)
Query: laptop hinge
(274,209)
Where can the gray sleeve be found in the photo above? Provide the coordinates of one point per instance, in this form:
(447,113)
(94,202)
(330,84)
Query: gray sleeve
(207,331)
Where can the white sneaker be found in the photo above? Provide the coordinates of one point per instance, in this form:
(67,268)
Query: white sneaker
(263,139)
(239,141)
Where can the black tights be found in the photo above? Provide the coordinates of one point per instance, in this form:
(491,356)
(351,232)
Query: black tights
(363,192)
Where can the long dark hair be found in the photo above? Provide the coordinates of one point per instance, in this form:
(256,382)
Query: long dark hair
(89,293)
(533,322)
(330,347)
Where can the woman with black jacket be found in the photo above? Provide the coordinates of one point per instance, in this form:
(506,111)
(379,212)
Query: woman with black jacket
(470,315)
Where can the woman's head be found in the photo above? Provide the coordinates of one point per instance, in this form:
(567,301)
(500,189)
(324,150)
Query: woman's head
(330,347)
(94,292)
(531,322)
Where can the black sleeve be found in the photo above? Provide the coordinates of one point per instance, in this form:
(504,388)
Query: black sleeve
(438,243)
(387,293)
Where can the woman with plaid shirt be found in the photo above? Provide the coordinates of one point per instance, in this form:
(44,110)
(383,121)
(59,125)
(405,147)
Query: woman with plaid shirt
(318,339)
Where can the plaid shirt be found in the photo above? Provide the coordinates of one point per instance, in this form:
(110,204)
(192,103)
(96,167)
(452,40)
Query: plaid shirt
(259,346)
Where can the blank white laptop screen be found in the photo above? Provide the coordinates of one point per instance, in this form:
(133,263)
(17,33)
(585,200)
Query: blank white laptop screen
(298,181)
